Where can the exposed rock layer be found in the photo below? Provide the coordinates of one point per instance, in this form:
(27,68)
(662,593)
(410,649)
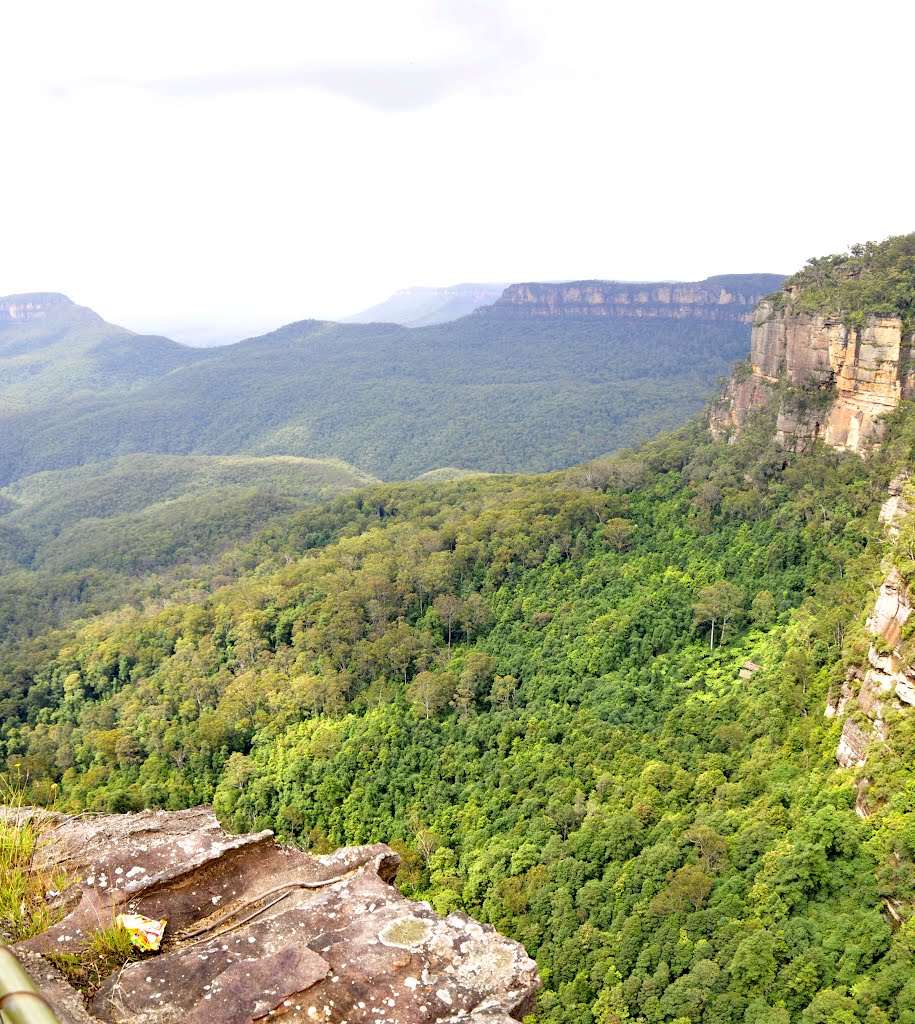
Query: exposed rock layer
(730,297)
(43,306)
(260,930)
(888,680)
(838,380)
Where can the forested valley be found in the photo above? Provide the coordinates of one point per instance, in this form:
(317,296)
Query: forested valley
(585,707)
(507,393)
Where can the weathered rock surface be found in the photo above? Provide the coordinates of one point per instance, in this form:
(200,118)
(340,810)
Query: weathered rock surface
(891,609)
(257,930)
(845,378)
(895,506)
(853,745)
(729,297)
(888,680)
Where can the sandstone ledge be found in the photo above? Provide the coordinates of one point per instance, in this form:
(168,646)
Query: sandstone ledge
(260,931)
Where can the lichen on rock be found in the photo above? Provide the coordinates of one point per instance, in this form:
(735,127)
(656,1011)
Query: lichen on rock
(258,930)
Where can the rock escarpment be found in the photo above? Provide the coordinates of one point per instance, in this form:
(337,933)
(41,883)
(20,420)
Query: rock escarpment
(728,297)
(262,931)
(17,309)
(830,381)
(888,680)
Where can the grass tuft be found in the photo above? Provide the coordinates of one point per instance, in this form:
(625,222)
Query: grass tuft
(109,948)
(25,890)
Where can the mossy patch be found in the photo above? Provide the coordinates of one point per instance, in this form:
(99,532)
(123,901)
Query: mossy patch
(405,932)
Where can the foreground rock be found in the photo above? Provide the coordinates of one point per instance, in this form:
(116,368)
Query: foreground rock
(261,931)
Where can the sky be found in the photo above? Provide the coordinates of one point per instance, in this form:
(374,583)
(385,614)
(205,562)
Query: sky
(216,169)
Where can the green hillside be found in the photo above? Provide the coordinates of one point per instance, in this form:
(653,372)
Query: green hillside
(45,503)
(532,687)
(484,394)
(51,348)
(78,541)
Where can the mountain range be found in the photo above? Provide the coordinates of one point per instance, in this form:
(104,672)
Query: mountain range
(651,715)
(496,391)
(421,307)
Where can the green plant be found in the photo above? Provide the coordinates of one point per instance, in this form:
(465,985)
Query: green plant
(24,888)
(109,948)
(22,1003)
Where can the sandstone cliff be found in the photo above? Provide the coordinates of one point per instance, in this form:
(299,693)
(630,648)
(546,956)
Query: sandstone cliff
(831,382)
(261,931)
(887,681)
(878,695)
(728,297)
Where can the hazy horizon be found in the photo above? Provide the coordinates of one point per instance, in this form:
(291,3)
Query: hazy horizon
(175,165)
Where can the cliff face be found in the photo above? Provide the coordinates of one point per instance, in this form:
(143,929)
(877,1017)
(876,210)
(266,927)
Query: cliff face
(18,309)
(729,297)
(832,382)
(887,681)
(877,699)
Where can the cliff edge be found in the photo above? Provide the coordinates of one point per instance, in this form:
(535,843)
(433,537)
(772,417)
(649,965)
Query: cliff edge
(832,382)
(725,297)
(832,351)
(256,930)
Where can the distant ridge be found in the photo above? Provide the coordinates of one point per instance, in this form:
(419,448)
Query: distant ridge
(723,297)
(547,376)
(51,348)
(422,307)
(46,306)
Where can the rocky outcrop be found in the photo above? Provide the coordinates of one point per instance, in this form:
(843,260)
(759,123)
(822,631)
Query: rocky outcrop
(888,679)
(895,506)
(853,745)
(259,930)
(728,297)
(43,306)
(832,382)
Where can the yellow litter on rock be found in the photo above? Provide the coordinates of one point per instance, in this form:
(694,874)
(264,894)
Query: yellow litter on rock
(145,933)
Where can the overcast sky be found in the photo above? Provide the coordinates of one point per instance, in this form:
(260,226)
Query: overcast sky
(197,165)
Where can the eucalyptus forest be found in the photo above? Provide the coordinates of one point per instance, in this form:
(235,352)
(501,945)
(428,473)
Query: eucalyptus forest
(586,707)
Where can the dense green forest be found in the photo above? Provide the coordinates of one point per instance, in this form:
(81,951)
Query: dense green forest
(79,541)
(873,277)
(69,350)
(46,503)
(495,394)
(537,690)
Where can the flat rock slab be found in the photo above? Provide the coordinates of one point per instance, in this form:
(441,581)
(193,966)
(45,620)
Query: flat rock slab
(258,931)
(118,857)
